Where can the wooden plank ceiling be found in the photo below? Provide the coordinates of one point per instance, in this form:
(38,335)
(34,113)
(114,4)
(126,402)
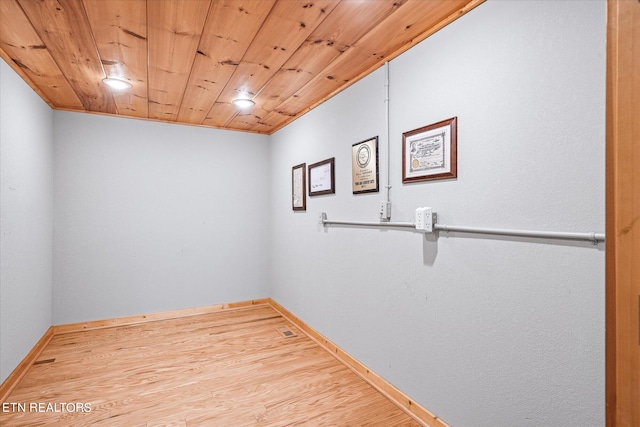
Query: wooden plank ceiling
(188,59)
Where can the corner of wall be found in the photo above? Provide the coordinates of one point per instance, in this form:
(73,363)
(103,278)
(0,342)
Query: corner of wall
(26,219)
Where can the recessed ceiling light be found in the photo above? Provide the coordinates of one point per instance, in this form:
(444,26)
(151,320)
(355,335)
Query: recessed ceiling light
(117,84)
(243,103)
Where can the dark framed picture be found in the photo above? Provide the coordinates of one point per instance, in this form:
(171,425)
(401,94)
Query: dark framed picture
(364,166)
(322,177)
(299,187)
(430,152)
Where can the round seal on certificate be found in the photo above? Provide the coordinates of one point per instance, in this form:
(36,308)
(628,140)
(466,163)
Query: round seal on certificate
(364,156)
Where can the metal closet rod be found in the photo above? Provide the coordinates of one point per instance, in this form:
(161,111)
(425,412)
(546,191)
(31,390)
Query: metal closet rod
(591,237)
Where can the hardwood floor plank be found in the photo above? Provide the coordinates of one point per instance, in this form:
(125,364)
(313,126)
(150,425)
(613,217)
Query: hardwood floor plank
(18,373)
(214,369)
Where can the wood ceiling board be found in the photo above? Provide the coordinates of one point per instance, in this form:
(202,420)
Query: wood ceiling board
(229,30)
(25,51)
(328,41)
(220,114)
(273,121)
(247,119)
(120,31)
(173,35)
(286,28)
(65,30)
(390,38)
(262,127)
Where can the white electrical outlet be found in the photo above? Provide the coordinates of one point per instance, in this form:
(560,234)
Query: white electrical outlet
(385,210)
(322,218)
(424,219)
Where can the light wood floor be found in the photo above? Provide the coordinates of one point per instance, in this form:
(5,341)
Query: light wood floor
(232,368)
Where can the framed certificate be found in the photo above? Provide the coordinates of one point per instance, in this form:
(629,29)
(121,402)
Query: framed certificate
(430,152)
(299,187)
(322,177)
(364,166)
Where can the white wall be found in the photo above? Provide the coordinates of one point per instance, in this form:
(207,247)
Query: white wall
(481,330)
(152,217)
(26,218)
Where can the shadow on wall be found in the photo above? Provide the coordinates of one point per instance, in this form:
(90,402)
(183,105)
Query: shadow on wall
(430,248)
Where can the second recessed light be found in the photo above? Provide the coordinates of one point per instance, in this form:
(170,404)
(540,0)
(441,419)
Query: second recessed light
(117,84)
(243,103)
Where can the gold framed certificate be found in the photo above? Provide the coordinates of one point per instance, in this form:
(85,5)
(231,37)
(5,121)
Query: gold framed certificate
(364,166)
(430,152)
(299,187)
